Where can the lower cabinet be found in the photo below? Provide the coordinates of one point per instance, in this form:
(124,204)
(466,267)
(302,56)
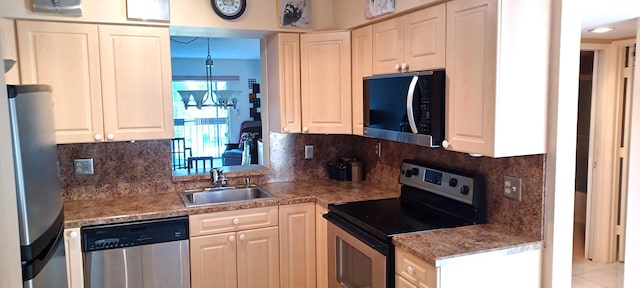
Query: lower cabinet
(413,272)
(234,256)
(297,245)
(73,255)
(322,258)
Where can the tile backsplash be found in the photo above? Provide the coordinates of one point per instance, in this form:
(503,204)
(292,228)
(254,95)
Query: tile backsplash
(123,168)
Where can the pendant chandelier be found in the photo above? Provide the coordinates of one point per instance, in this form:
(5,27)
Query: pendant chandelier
(205,98)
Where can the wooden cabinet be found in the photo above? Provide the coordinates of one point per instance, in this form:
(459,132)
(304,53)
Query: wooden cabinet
(322,259)
(412,42)
(326,82)
(297,245)
(283,76)
(300,96)
(109,82)
(235,249)
(413,272)
(496,98)
(73,255)
(361,61)
(10,49)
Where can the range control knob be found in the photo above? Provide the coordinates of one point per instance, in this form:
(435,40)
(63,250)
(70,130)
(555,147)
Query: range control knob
(464,190)
(411,172)
(453,182)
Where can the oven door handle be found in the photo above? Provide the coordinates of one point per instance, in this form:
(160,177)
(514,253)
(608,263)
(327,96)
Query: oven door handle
(366,238)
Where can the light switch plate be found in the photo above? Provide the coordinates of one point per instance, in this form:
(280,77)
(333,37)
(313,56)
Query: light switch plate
(308,151)
(512,188)
(83,166)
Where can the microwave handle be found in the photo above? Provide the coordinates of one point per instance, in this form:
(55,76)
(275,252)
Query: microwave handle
(410,92)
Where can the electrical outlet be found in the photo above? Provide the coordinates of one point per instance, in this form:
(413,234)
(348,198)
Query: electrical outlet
(83,166)
(512,188)
(308,151)
(378,149)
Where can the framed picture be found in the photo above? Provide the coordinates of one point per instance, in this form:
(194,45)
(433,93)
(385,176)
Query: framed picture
(294,13)
(148,10)
(375,8)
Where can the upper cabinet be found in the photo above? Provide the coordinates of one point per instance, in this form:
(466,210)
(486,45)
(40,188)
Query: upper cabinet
(9,49)
(309,78)
(496,97)
(361,61)
(109,82)
(412,42)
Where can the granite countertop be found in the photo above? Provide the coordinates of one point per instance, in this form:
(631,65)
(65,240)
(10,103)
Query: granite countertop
(467,243)
(437,247)
(115,209)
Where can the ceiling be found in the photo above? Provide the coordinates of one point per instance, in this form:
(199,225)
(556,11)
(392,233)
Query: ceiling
(619,14)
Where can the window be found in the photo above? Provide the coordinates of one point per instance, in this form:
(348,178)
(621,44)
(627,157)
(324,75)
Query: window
(205,130)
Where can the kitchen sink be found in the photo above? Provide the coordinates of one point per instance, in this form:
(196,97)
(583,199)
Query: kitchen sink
(222,195)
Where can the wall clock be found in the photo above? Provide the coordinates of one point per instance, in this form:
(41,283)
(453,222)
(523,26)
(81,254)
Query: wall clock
(229,9)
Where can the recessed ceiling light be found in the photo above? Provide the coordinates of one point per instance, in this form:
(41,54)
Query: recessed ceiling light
(601,29)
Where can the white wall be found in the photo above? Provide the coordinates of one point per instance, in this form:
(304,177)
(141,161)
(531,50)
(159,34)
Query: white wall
(10,270)
(632,250)
(245,69)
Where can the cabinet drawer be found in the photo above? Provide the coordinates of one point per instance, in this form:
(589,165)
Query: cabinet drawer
(227,221)
(403,283)
(416,271)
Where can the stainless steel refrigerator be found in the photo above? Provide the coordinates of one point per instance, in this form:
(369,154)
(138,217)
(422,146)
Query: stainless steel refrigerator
(39,198)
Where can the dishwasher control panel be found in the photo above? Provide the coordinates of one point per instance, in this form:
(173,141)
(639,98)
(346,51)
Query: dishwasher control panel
(129,234)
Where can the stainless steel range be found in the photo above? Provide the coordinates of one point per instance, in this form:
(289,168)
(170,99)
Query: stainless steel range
(360,250)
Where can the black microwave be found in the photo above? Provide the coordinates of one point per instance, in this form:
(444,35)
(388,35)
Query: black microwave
(406,107)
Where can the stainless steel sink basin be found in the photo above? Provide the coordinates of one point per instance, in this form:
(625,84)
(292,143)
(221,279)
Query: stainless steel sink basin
(222,195)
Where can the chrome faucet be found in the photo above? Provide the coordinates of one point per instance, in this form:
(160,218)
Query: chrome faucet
(218,178)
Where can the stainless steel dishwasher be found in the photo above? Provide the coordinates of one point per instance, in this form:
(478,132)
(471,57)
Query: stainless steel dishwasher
(141,254)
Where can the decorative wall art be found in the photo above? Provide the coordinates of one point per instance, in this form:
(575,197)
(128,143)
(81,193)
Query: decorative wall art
(375,8)
(295,13)
(65,7)
(148,10)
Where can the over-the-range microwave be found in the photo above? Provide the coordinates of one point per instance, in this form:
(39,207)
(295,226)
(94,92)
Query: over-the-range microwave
(406,107)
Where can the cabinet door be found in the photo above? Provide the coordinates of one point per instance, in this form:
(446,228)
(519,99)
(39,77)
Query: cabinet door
(213,261)
(322,260)
(471,75)
(10,49)
(403,283)
(65,56)
(424,38)
(387,46)
(326,77)
(361,59)
(283,67)
(297,245)
(258,258)
(73,255)
(136,82)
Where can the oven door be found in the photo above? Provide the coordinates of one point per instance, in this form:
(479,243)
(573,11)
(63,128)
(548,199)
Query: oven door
(356,259)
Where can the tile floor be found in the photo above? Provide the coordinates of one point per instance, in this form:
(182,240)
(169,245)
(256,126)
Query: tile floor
(588,274)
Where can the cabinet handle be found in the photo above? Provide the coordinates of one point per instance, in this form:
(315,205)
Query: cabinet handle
(242,237)
(396,67)
(97,137)
(232,238)
(410,270)
(404,67)
(73,234)
(236,221)
(110,136)
(305,129)
(445,144)
(285,129)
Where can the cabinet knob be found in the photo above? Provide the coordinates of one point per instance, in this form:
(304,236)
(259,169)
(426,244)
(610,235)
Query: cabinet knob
(404,67)
(285,129)
(110,136)
(411,270)
(396,67)
(236,221)
(445,144)
(242,237)
(97,137)
(305,129)
(232,238)
(73,234)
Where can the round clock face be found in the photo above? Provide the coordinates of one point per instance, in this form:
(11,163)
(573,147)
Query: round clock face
(229,9)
